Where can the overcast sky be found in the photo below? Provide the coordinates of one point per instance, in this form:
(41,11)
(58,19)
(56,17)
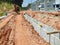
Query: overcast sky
(26,2)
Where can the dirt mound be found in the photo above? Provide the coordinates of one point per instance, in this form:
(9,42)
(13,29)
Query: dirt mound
(48,18)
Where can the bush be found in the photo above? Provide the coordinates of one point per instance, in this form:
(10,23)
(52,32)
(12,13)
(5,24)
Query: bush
(4,7)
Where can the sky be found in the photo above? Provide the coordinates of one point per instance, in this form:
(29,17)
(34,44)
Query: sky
(57,1)
(26,2)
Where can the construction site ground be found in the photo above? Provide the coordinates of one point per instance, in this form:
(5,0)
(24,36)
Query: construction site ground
(48,18)
(24,33)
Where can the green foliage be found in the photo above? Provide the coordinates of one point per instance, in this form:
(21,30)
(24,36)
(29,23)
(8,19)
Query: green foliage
(29,5)
(18,2)
(4,7)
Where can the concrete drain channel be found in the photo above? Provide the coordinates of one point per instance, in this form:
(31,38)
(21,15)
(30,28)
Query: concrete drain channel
(43,30)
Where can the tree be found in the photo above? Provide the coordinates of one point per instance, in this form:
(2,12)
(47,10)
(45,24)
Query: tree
(17,2)
(29,5)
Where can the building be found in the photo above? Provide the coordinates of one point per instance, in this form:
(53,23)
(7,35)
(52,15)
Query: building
(34,5)
(45,5)
(56,5)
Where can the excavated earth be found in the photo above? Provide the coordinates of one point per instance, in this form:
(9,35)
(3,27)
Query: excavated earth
(20,32)
(50,19)
(25,33)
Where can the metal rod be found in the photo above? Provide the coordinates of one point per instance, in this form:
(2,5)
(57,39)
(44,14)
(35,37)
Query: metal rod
(49,38)
(59,35)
